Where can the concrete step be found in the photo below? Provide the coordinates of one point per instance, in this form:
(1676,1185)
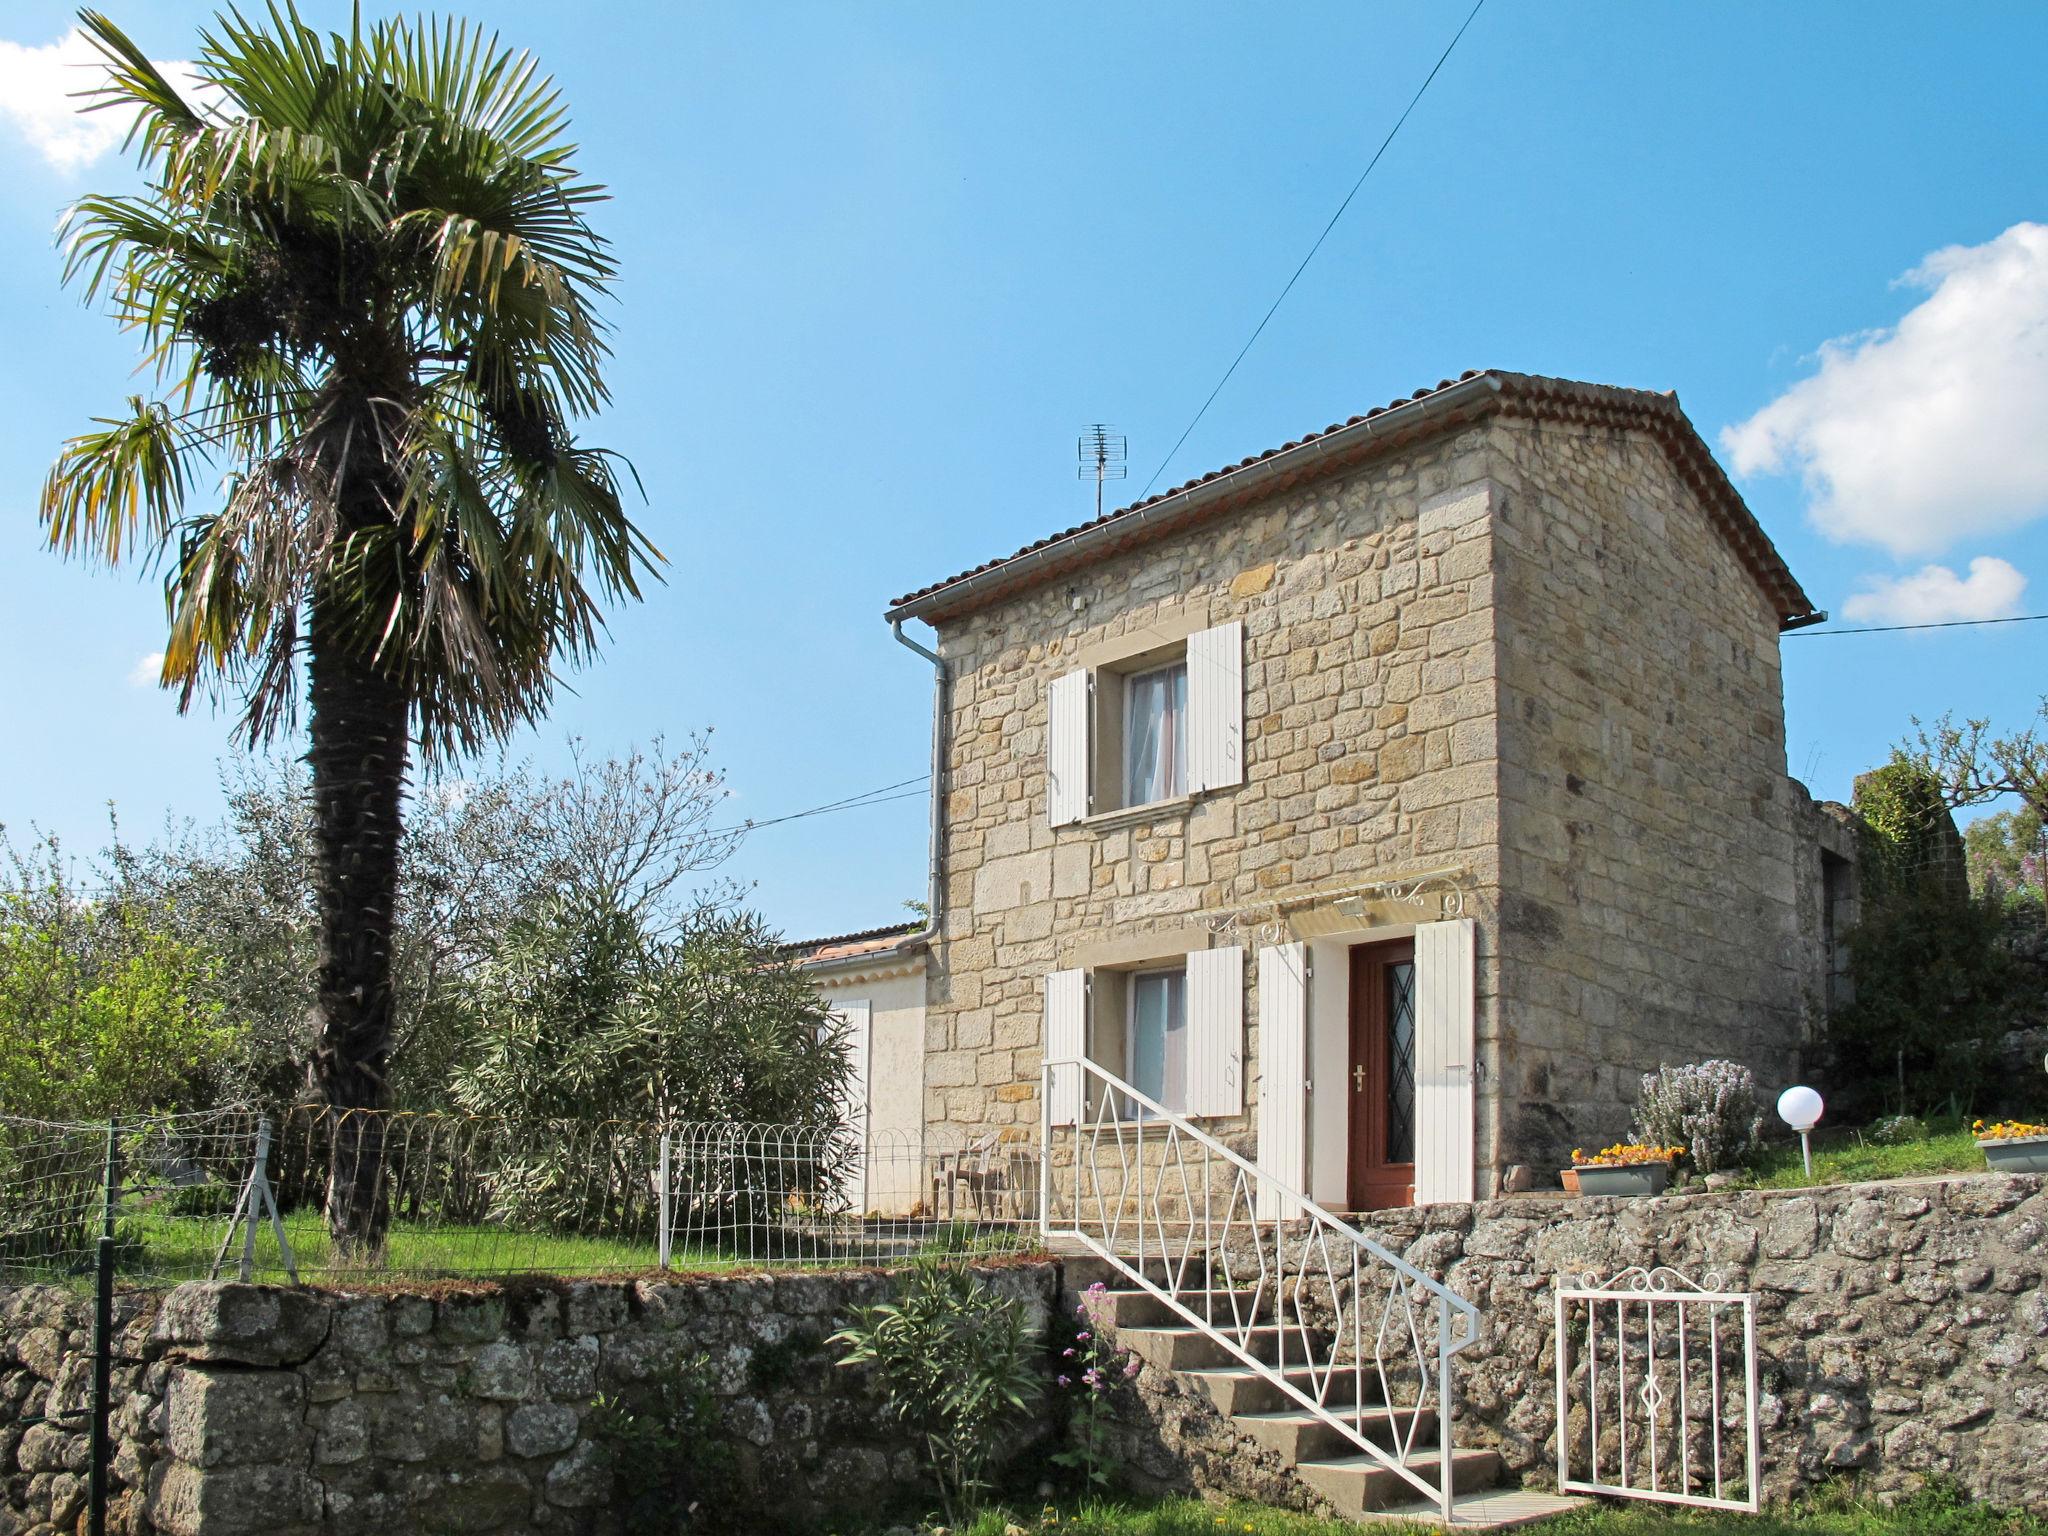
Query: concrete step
(1299,1435)
(1239,1389)
(1358,1486)
(1489,1509)
(1086,1269)
(1190,1349)
(1144,1309)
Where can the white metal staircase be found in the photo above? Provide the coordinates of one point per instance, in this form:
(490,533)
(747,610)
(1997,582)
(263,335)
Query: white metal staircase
(1317,1342)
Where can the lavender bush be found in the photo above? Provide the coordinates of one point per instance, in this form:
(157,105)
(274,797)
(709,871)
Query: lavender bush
(1709,1107)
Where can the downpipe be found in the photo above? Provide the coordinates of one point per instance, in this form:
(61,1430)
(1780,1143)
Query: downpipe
(935,849)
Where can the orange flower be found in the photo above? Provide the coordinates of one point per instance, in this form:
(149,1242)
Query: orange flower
(2007,1130)
(1625,1154)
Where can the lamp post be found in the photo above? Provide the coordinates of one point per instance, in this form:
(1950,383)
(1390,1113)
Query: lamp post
(1800,1108)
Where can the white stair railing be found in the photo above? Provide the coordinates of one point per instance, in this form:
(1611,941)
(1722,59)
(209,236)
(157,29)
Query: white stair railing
(1351,1333)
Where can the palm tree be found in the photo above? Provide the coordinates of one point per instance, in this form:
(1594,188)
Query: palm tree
(364,280)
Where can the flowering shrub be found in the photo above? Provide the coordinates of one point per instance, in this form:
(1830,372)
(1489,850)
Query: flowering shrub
(1898,1130)
(1709,1108)
(1625,1154)
(2006,1130)
(1090,1368)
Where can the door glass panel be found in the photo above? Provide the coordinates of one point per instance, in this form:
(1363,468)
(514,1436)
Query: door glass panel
(1401,1062)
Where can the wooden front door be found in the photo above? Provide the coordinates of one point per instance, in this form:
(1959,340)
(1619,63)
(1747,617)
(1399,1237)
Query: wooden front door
(1382,1078)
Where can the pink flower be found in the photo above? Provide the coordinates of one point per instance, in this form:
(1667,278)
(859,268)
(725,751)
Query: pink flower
(1066,1381)
(1083,1336)
(1132,1367)
(1066,1354)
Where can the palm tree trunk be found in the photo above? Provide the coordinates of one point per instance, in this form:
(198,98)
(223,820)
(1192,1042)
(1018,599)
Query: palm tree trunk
(358,756)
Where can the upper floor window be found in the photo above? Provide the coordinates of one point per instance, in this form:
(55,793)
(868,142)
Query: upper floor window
(1144,726)
(1156,735)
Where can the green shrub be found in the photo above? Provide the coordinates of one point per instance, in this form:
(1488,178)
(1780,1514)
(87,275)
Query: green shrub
(100,1013)
(1935,985)
(955,1365)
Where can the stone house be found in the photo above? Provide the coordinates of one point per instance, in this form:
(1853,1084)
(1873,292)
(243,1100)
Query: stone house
(1386,803)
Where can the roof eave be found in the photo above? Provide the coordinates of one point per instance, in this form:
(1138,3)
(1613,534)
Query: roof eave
(1289,464)
(1467,398)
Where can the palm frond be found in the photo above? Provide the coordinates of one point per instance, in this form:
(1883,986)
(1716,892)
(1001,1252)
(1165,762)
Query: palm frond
(162,116)
(112,486)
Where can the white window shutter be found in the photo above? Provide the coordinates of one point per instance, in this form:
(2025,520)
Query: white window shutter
(856,1020)
(1066,748)
(1283,1070)
(1216,707)
(1066,1039)
(1446,1045)
(1215,1025)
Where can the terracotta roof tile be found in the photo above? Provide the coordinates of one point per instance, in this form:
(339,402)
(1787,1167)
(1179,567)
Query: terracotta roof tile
(1507,393)
(849,946)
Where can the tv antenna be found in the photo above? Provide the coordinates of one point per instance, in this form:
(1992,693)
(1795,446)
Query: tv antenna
(1103,453)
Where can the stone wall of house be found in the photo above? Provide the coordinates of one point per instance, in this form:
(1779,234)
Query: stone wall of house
(1827,848)
(1369,749)
(265,1411)
(1902,1332)
(1521,650)
(1650,855)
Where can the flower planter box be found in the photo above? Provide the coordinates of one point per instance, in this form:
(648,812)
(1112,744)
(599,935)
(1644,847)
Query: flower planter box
(2017,1154)
(1625,1179)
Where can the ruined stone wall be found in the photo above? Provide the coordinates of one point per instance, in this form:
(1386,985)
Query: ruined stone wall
(1653,908)
(1369,748)
(252,1409)
(1902,1331)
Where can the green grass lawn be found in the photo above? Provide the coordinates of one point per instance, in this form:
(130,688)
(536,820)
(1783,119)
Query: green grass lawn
(1933,1513)
(157,1248)
(173,1247)
(1848,1157)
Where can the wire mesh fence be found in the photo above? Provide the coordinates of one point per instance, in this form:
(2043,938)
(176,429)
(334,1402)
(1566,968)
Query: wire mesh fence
(801,1195)
(165,1187)
(361,1196)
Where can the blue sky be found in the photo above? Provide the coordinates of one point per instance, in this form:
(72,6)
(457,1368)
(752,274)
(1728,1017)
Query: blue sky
(882,262)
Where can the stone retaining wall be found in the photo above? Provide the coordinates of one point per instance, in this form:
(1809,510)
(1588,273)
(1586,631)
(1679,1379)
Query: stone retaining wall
(1902,1330)
(247,1409)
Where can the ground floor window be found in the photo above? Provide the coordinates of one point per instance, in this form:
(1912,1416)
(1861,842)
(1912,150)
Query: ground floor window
(1157,1037)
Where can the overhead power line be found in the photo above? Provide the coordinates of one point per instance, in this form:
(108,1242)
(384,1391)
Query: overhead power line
(901,790)
(913,788)
(1311,256)
(1888,629)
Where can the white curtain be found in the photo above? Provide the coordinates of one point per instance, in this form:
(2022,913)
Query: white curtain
(1159,1037)
(1156,735)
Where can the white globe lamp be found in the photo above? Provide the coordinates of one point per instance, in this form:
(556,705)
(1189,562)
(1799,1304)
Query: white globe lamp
(1800,1108)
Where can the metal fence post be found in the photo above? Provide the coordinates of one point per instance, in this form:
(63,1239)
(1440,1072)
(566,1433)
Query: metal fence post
(1045,1151)
(1447,1481)
(258,1182)
(662,1239)
(103,1339)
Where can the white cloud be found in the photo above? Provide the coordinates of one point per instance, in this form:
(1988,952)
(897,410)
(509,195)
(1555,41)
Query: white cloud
(1934,594)
(1930,432)
(38,95)
(147,672)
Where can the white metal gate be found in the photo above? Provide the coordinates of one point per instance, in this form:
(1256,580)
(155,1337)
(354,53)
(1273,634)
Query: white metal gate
(1656,1390)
